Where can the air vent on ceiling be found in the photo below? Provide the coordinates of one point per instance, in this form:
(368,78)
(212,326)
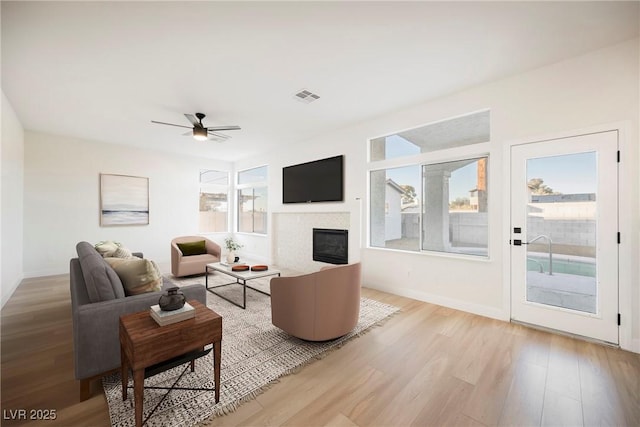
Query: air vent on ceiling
(306,96)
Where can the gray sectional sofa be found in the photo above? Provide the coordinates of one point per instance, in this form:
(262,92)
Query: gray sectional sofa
(98,300)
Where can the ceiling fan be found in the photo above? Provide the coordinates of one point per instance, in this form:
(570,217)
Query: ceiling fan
(199,131)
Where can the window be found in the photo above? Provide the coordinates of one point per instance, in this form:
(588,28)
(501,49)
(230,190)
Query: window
(252,200)
(395,208)
(454,212)
(457,132)
(214,201)
(428,204)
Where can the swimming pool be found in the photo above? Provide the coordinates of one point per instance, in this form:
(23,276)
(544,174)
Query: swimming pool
(579,266)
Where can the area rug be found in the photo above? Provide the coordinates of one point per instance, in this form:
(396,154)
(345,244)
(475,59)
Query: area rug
(254,355)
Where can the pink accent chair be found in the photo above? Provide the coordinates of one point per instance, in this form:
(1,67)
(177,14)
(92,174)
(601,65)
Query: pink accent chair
(318,306)
(193,264)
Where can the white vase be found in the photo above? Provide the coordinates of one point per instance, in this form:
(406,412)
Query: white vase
(231,256)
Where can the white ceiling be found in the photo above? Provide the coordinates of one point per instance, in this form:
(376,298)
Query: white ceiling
(103,71)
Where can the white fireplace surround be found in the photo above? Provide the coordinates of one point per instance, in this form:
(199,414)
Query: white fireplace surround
(293,237)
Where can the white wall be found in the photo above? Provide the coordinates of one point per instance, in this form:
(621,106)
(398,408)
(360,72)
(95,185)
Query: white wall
(593,89)
(62,199)
(11,156)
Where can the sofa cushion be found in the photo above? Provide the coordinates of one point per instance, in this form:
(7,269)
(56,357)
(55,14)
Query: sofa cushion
(193,248)
(138,275)
(101,280)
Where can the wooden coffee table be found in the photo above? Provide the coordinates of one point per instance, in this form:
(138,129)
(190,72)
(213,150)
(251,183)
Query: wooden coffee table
(143,344)
(242,277)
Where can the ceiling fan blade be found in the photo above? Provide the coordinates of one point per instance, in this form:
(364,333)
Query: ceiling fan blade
(193,119)
(215,136)
(170,124)
(190,133)
(217,128)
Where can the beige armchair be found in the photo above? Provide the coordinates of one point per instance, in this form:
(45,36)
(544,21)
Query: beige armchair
(318,306)
(182,265)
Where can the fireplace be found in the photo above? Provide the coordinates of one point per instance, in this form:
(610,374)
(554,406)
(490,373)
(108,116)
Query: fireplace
(331,246)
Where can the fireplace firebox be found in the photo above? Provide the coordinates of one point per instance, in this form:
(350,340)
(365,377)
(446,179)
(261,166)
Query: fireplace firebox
(331,246)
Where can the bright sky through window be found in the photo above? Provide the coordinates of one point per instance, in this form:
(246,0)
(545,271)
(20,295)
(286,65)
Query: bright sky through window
(566,174)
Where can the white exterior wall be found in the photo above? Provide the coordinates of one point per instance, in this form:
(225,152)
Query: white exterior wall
(568,211)
(393,217)
(468,228)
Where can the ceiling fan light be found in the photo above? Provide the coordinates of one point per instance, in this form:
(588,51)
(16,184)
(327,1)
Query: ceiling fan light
(200,134)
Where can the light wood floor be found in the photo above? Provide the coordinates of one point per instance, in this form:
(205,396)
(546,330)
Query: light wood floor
(427,365)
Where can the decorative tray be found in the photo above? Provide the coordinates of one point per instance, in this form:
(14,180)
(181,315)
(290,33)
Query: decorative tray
(240,268)
(259,268)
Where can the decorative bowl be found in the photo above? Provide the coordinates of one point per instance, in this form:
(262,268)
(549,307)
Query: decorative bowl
(172,300)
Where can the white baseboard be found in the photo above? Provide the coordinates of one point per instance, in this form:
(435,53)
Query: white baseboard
(635,346)
(480,310)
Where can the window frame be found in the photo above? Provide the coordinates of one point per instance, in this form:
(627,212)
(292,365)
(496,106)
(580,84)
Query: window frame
(422,210)
(226,187)
(481,152)
(254,184)
(453,154)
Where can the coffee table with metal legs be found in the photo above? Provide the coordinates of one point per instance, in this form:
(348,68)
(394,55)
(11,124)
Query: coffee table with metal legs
(242,277)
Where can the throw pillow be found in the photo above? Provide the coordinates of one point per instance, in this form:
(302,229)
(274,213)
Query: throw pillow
(107,248)
(193,248)
(101,280)
(122,253)
(138,275)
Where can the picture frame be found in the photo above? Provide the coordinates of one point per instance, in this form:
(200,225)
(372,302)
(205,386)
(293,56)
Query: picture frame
(124,200)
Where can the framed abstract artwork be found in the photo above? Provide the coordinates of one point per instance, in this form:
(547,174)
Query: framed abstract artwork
(124,200)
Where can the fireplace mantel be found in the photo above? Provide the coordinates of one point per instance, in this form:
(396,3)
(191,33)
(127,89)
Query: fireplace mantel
(293,237)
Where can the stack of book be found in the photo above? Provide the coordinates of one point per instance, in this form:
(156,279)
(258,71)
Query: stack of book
(164,318)
(230,264)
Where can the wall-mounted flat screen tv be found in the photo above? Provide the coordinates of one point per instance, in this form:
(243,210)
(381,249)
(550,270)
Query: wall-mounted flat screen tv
(317,181)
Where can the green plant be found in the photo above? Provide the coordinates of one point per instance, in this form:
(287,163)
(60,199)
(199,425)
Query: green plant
(231,244)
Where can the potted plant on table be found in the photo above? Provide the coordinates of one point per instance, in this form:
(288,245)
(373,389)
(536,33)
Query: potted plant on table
(232,246)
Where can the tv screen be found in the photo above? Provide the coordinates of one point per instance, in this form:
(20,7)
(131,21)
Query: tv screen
(317,181)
